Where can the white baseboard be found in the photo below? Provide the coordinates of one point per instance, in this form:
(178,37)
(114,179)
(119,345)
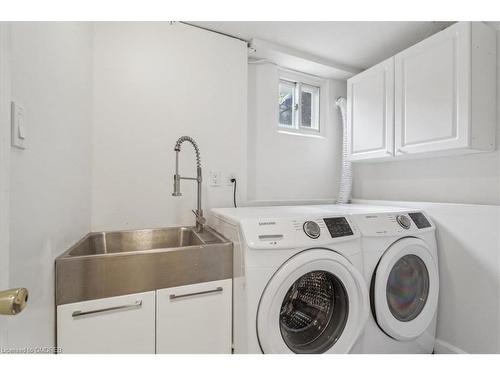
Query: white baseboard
(443,347)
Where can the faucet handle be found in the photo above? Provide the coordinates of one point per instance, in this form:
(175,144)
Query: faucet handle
(199,217)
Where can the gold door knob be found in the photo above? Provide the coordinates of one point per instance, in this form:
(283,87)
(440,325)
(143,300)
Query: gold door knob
(13,301)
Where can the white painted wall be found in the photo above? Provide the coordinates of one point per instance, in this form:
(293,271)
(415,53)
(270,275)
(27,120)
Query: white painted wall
(473,179)
(289,168)
(154,82)
(50,180)
(468,239)
(4,169)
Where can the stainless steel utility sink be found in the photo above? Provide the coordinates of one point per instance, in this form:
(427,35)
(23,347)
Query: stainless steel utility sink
(141,240)
(106,264)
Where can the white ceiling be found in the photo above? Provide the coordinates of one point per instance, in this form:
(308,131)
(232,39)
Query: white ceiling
(356,44)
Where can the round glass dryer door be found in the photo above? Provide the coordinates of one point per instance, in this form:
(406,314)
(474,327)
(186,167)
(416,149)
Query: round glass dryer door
(317,302)
(405,289)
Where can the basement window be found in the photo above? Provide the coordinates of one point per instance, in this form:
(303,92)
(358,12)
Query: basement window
(298,105)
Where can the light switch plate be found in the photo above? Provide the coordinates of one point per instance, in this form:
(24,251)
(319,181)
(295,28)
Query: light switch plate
(215,178)
(18,129)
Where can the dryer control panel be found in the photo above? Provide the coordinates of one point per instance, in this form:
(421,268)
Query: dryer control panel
(395,223)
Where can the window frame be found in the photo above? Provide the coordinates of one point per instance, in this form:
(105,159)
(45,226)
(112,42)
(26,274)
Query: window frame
(300,81)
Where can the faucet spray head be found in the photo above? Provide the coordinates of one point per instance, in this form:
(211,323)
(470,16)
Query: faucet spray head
(177,186)
(177,176)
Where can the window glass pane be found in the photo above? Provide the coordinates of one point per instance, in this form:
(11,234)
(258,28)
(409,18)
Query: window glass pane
(309,100)
(306,109)
(286,103)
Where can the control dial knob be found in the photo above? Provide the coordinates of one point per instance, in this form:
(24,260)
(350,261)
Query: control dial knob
(403,221)
(312,229)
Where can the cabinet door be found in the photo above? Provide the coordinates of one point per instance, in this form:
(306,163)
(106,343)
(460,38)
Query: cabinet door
(194,318)
(124,324)
(432,93)
(370,113)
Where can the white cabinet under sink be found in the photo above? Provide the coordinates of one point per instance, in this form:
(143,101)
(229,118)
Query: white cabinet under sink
(123,324)
(194,318)
(437,97)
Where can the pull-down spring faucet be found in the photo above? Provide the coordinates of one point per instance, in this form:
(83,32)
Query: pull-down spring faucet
(200,220)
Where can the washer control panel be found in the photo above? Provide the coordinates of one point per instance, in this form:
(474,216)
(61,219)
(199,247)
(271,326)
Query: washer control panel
(338,227)
(404,221)
(311,228)
(420,220)
(297,232)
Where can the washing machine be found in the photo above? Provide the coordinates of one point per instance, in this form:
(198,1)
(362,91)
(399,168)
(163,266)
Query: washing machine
(400,263)
(298,285)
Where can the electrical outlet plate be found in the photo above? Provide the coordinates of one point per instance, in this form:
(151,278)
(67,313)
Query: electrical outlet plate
(230,176)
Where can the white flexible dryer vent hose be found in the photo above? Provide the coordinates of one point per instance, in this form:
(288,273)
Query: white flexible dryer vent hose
(344,196)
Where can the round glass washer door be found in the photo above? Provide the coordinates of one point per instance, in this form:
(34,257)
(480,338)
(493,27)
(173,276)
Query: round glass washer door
(317,302)
(405,289)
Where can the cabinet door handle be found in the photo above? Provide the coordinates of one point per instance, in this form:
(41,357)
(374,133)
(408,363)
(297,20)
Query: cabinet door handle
(218,289)
(122,307)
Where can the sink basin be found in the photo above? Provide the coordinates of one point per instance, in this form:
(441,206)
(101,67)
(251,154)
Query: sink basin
(142,240)
(107,264)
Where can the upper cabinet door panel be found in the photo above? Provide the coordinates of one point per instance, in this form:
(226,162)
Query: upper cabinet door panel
(370,112)
(432,81)
(430,103)
(368,98)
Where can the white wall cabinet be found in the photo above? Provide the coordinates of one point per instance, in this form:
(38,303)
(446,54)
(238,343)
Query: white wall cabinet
(445,92)
(124,324)
(370,109)
(194,318)
(443,101)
